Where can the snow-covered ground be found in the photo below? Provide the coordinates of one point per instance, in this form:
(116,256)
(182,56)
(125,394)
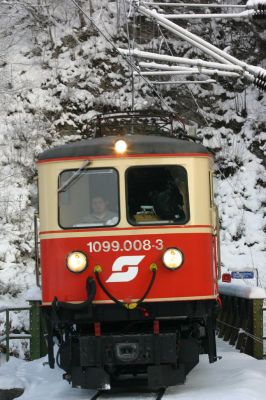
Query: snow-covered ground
(235,377)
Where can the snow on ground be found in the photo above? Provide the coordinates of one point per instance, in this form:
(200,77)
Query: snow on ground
(236,376)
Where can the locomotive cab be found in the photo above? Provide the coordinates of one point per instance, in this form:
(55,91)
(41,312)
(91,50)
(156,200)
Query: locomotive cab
(129,265)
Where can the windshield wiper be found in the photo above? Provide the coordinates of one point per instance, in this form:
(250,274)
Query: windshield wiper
(73,177)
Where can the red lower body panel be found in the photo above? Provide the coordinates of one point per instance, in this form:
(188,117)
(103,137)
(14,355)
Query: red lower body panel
(125,263)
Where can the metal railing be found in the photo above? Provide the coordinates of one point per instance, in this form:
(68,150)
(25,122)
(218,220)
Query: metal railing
(36,337)
(264,337)
(8,335)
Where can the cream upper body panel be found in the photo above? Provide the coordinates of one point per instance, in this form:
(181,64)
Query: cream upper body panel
(197,168)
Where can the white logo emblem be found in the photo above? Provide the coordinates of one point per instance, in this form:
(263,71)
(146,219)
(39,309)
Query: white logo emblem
(131,262)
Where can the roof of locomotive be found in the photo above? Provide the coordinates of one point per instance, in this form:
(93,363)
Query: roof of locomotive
(137,144)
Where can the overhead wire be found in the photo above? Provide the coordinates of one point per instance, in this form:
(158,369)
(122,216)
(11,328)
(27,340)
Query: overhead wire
(130,42)
(220,171)
(155,91)
(132,65)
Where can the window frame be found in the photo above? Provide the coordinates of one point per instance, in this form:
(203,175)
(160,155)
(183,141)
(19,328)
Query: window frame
(155,224)
(90,226)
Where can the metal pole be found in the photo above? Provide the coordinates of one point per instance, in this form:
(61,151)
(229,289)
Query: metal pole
(257,276)
(35,323)
(7,334)
(36,248)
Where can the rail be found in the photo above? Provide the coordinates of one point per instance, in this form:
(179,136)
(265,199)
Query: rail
(37,344)
(240,321)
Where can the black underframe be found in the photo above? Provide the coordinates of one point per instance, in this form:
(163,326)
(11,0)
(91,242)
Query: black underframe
(172,317)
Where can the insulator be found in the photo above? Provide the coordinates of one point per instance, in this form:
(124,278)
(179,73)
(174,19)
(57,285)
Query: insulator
(260,14)
(260,81)
(262,76)
(261,7)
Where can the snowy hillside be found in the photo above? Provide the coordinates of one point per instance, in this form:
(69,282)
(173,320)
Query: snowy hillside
(57,71)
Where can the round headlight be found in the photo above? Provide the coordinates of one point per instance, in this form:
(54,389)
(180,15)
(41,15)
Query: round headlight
(77,261)
(173,258)
(121,146)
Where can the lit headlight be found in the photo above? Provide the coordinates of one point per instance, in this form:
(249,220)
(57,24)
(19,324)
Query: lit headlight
(173,258)
(77,261)
(121,146)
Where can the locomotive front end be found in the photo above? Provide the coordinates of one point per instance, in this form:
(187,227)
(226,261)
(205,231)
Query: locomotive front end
(128,259)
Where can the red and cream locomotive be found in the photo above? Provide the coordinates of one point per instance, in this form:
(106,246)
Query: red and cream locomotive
(129,259)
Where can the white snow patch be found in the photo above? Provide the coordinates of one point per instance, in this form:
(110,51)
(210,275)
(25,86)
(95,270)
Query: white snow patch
(235,377)
(33,294)
(242,290)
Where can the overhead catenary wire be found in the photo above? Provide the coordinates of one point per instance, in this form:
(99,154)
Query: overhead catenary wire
(191,71)
(205,71)
(183,60)
(195,40)
(242,15)
(167,67)
(197,5)
(23,4)
(132,65)
(249,71)
(224,58)
(190,62)
(185,82)
(130,42)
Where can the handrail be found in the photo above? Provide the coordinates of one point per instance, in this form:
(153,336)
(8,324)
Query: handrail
(264,337)
(36,249)
(9,336)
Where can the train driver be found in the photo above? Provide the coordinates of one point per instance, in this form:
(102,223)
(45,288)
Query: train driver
(100,213)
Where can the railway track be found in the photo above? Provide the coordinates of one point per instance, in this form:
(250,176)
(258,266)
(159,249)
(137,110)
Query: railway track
(159,395)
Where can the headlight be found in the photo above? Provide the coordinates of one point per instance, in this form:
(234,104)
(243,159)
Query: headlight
(77,261)
(173,258)
(120,146)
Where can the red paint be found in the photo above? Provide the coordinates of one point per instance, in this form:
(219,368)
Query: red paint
(119,156)
(97,329)
(156,327)
(193,278)
(219,301)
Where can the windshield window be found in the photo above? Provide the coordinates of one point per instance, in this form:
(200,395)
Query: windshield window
(89,201)
(157,195)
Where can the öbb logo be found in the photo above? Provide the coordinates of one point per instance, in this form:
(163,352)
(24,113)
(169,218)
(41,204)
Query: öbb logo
(131,262)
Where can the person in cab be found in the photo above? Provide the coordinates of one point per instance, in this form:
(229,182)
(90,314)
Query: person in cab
(100,213)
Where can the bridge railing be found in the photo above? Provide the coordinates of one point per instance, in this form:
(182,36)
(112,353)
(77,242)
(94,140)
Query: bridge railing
(240,321)
(37,345)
